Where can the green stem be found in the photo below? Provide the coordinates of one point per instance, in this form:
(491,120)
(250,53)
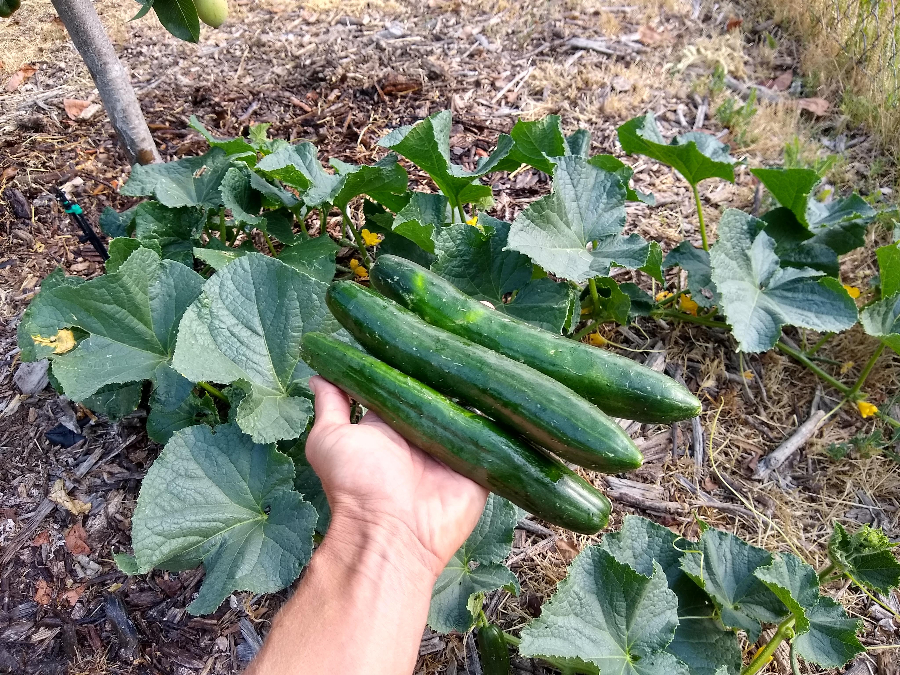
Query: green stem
(223,228)
(668,301)
(812,367)
(213,391)
(825,571)
(595,296)
(559,664)
(865,371)
(795,661)
(270,244)
(689,318)
(590,328)
(360,244)
(700,217)
(821,343)
(784,631)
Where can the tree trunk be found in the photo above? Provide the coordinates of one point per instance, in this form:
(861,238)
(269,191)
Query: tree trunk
(81,20)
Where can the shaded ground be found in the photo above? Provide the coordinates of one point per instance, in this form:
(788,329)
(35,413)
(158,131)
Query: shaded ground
(341,74)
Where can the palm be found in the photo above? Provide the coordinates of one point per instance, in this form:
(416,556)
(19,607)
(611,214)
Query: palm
(370,468)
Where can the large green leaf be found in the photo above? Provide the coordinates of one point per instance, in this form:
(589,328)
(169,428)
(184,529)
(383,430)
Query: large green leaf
(881,319)
(790,187)
(759,296)
(131,317)
(825,635)
(115,400)
(724,566)
(179,17)
(175,406)
(192,181)
(624,172)
(44,316)
(695,261)
(889,268)
(607,614)
(536,143)
(218,498)
(695,155)
(315,257)
(427,145)
(386,176)
(867,556)
(587,206)
(306,482)
(116,224)
(231,146)
(245,328)
(702,643)
(475,568)
(422,219)
(174,231)
(298,166)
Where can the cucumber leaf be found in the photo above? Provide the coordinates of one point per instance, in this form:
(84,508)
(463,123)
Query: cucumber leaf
(174,406)
(231,146)
(703,644)
(695,261)
(474,260)
(889,267)
(625,173)
(653,266)
(790,187)
(867,556)
(298,166)
(385,177)
(609,615)
(475,568)
(315,257)
(174,231)
(825,635)
(587,205)
(306,482)
(192,181)
(881,319)
(759,297)
(131,316)
(115,400)
(421,219)
(44,317)
(245,328)
(218,498)
(579,142)
(536,143)
(218,258)
(695,155)
(427,145)
(121,248)
(115,224)
(724,566)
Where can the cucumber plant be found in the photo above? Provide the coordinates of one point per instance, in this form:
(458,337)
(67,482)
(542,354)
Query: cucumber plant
(216,278)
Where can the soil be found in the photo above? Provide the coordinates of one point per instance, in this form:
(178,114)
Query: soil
(341,75)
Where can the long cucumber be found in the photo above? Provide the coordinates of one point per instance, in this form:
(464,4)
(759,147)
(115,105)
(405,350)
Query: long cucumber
(468,443)
(530,403)
(615,384)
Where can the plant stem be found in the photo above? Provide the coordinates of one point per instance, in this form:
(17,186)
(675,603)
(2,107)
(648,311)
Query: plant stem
(689,318)
(825,571)
(865,371)
(802,358)
(213,391)
(223,228)
(595,297)
(360,244)
(668,301)
(785,630)
(816,347)
(270,244)
(590,328)
(700,217)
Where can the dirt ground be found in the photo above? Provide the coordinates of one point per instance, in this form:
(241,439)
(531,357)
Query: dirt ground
(341,74)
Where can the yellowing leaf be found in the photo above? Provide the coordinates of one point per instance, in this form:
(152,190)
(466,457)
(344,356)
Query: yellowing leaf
(853,291)
(663,295)
(866,409)
(687,305)
(596,339)
(62,342)
(58,495)
(370,238)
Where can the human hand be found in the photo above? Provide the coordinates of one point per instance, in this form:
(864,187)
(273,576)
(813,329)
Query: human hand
(377,481)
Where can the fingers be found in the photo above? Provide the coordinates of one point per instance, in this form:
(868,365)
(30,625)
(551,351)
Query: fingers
(332,404)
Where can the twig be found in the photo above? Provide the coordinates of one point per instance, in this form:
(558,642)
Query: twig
(524,75)
(780,454)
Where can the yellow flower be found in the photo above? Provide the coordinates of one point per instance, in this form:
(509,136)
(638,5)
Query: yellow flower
(596,339)
(358,269)
(846,367)
(866,409)
(687,305)
(662,295)
(748,374)
(853,291)
(62,342)
(473,221)
(371,238)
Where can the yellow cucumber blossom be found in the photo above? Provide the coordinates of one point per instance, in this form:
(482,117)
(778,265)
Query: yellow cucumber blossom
(748,374)
(370,238)
(687,305)
(866,409)
(663,295)
(596,339)
(852,291)
(473,221)
(847,367)
(358,269)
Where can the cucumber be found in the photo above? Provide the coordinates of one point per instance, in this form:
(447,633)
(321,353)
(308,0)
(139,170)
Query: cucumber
(615,384)
(538,407)
(467,443)
(493,650)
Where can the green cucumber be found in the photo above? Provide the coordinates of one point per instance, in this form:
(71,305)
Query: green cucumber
(469,444)
(493,650)
(615,384)
(534,405)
